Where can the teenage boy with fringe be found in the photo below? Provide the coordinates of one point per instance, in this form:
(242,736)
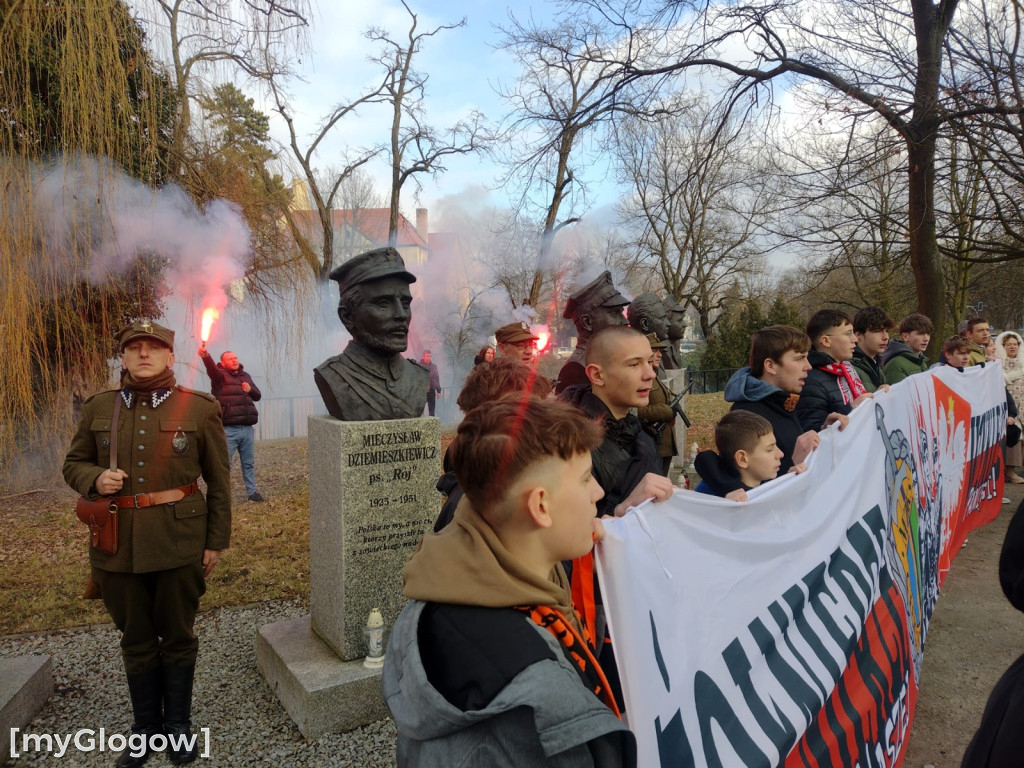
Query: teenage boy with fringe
(489,663)
(832,385)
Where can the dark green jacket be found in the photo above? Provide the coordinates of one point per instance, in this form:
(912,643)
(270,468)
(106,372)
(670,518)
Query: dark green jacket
(869,369)
(899,362)
(169,535)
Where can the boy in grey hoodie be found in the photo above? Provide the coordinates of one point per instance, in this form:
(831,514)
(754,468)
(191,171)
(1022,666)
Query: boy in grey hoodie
(489,663)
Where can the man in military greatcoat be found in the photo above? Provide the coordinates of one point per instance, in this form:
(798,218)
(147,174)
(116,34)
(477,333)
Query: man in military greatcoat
(169,536)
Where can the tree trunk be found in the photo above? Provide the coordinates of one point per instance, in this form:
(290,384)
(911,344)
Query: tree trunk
(924,250)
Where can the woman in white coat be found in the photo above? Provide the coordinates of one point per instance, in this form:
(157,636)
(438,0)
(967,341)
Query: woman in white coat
(1008,349)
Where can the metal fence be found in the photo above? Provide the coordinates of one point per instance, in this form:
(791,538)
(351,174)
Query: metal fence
(712,380)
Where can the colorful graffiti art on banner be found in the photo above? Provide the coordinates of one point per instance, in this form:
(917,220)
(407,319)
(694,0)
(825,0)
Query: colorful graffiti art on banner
(790,630)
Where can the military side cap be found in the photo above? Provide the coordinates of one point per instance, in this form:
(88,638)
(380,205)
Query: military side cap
(597,293)
(671,305)
(656,343)
(146,329)
(369,266)
(513,333)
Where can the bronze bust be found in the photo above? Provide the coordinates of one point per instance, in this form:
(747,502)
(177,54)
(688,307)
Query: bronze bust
(594,306)
(647,313)
(672,359)
(370,380)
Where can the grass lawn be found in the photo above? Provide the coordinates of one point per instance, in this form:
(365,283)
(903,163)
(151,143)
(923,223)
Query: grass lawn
(44,561)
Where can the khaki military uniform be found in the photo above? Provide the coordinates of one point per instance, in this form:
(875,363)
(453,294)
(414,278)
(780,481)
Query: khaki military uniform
(152,585)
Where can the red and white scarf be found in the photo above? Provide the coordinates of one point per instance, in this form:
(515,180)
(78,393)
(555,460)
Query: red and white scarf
(850,384)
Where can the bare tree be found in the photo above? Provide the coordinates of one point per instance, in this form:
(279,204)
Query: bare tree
(416,147)
(321,191)
(202,37)
(566,93)
(842,198)
(880,60)
(698,201)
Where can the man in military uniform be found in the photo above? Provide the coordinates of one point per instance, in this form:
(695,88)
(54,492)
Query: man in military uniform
(672,358)
(593,307)
(515,340)
(170,537)
(370,380)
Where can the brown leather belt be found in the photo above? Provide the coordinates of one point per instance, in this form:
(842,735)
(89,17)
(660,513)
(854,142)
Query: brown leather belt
(140,500)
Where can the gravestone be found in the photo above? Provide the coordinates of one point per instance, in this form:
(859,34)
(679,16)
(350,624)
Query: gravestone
(372,496)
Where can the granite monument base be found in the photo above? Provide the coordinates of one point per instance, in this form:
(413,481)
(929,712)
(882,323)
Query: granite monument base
(372,496)
(676,380)
(321,693)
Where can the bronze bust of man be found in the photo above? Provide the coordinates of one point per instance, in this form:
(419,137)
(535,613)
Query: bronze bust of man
(594,306)
(671,357)
(647,314)
(370,380)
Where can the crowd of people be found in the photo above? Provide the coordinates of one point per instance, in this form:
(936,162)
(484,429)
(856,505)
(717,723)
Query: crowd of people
(504,650)
(503,654)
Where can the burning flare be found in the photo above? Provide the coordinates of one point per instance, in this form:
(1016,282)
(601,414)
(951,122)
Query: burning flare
(209,315)
(543,337)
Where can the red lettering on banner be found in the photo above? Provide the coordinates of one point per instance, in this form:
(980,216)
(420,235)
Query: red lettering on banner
(867,718)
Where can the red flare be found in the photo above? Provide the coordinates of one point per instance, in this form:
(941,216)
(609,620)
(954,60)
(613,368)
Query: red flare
(209,315)
(543,337)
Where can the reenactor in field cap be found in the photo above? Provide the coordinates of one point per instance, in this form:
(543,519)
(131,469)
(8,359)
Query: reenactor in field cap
(594,306)
(141,450)
(515,341)
(370,380)
(671,356)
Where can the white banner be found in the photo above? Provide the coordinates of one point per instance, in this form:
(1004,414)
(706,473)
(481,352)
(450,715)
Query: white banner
(789,630)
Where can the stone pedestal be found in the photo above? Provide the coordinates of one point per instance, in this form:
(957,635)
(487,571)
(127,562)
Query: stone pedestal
(676,380)
(26,682)
(372,496)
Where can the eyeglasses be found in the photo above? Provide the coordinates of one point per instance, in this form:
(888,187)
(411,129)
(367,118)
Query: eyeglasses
(848,334)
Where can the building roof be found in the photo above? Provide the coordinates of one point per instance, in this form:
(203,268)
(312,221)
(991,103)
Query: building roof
(371,223)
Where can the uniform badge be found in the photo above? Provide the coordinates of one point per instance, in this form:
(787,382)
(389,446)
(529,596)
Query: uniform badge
(104,443)
(179,443)
(147,327)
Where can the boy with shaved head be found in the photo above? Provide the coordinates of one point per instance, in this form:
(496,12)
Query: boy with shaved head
(626,463)
(621,373)
(489,663)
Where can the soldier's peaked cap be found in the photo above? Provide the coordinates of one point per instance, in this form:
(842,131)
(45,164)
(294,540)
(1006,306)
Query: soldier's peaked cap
(513,333)
(146,329)
(597,293)
(369,266)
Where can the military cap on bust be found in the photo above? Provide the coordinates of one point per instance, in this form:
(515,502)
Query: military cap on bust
(513,333)
(372,265)
(597,293)
(146,329)
(656,343)
(671,305)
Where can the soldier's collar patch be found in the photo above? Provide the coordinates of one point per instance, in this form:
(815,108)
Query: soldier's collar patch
(159,396)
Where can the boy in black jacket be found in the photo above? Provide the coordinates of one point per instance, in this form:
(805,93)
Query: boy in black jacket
(769,387)
(832,385)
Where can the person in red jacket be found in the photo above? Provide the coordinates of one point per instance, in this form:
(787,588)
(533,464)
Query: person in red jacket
(237,394)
